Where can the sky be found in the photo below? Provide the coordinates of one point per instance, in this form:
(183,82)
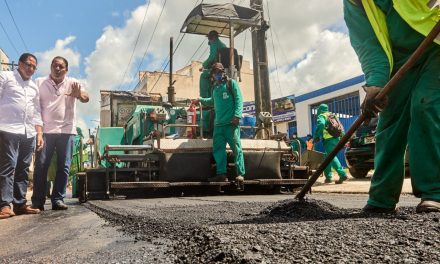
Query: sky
(108,41)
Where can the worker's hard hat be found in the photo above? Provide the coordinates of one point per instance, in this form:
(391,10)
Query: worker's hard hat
(212,34)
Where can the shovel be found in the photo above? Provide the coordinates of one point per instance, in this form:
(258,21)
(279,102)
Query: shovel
(401,72)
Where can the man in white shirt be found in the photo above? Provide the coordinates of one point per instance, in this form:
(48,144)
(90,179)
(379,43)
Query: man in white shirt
(58,95)
(20,122)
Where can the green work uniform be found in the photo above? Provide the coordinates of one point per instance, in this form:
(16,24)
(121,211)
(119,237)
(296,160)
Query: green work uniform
(329,143)
(205,87)
(412,116)
(226,107)
(296,147)
(205,82)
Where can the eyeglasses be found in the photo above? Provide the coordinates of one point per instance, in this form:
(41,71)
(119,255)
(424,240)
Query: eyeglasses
(30,65)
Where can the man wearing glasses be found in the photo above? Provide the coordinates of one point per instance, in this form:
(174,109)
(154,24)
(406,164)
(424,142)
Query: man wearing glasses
(58,95)
(20,123)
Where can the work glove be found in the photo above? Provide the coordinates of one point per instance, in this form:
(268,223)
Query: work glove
(372,106)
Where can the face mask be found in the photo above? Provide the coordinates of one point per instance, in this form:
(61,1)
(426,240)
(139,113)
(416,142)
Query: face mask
(218,77)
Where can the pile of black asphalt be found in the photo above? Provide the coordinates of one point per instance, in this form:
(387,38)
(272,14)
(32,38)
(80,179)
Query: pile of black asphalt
(289,231)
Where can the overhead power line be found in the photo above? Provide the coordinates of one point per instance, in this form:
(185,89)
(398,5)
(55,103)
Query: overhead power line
(203,53)
(195,52)
(9,39)
(166,65)
(18,30)
(151,37)
(166,62)
(135,45)
(274,53)
(201,44)
(284,55)
(244,43)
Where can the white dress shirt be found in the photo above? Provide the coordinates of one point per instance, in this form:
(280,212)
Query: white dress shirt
(58,110)
(19,104)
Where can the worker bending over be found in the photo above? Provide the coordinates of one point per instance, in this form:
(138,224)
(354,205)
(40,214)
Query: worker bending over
(215,44)
(384,35)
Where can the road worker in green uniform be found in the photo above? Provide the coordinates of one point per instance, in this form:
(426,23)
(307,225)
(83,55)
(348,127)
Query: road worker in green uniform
(384,34)
(205,88)
(215,45)
(329,143)
(297,144)
(228,105)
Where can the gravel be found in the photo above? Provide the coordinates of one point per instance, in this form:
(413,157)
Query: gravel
(289,231)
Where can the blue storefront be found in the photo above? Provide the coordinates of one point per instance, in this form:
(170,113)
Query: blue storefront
(344,102)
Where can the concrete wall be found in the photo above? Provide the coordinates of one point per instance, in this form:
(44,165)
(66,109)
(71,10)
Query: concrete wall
(118,106)
(282,127)
(187,81)
(4,59)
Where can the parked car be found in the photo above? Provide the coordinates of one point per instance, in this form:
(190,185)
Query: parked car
(359,153)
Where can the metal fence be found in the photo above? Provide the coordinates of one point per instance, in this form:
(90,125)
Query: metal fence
(347,108)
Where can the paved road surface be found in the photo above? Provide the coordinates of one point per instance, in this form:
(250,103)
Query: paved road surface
(79,235)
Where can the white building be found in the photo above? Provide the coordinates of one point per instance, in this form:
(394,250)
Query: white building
(343,98)
(4,60)
(188,80)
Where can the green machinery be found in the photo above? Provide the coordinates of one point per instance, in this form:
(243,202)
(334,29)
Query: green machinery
(143,142)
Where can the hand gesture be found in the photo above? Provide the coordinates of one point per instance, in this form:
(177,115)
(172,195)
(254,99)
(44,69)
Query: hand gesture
(75,90)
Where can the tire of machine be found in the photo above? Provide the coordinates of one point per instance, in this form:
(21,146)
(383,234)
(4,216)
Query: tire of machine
(81,188)
(275,189)
(358,173)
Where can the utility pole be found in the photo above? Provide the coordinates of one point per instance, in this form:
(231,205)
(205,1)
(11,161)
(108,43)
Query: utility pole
(171,90)
(260,62)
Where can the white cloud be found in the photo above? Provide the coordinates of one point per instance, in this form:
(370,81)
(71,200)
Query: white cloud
(106,65)
(61,49)
(305,33)
(330,60)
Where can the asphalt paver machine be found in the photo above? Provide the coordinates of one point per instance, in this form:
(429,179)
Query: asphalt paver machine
(147,147)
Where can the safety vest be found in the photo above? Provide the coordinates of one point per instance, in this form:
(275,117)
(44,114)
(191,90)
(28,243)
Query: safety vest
(325,134)
(416,13)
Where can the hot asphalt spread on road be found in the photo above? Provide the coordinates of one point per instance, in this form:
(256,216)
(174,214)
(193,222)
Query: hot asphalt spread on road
(328,228)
